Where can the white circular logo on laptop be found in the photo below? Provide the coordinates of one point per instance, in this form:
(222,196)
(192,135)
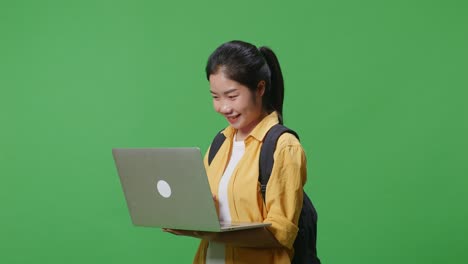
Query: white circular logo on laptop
(164,189)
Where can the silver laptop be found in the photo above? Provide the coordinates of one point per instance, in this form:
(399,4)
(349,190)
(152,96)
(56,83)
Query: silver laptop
(168,188)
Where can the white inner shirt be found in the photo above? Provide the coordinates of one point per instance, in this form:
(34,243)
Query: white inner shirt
(216,251)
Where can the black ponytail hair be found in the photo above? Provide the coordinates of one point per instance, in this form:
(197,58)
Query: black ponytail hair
(244,63)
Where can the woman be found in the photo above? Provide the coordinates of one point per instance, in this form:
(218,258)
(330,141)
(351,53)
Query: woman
(246,84)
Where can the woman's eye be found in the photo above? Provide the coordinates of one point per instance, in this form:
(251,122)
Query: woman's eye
(232,96)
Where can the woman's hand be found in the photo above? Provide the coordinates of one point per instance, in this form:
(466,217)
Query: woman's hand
(191,233)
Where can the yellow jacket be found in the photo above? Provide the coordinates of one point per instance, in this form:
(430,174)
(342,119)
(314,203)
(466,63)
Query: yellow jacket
(283,194)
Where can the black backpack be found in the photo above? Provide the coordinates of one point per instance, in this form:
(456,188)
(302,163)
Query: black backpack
(305,250)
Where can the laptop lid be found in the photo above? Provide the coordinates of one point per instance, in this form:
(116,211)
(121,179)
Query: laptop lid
(167,188)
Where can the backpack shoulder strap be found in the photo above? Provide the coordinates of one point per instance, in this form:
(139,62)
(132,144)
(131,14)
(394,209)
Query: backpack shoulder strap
(215,145)
(267,153)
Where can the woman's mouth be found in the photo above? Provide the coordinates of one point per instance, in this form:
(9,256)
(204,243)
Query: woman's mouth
(232,119)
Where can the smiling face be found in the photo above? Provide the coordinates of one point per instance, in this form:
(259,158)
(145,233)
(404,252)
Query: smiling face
(241,107)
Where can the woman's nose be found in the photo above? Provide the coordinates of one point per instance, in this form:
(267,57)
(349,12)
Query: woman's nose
(225,109)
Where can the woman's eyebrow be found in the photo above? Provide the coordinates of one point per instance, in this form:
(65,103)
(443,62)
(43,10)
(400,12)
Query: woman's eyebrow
(226,92)
(230,90)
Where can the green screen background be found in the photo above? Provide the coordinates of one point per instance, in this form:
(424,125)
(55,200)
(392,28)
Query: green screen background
(377,90)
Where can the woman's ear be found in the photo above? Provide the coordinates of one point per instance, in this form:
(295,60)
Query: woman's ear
(261,88)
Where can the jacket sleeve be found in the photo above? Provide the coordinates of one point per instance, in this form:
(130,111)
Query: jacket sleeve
(284,192)
(205,158)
